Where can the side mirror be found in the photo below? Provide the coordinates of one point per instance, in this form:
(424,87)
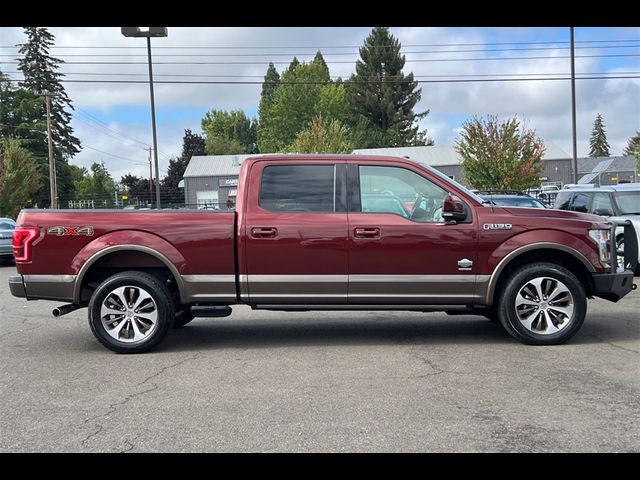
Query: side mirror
(453,208)
(602,211)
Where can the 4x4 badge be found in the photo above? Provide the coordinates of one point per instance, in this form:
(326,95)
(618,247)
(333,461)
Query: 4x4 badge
(62,231)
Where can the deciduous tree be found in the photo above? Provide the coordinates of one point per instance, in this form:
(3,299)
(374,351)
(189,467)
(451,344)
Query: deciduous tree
(323,136)
(19,178)
(500,154)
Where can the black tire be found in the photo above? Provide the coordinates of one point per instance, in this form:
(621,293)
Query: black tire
(159,305)
(544,321)
(182,317)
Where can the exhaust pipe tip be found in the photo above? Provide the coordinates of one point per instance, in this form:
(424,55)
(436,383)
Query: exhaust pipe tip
(64,309)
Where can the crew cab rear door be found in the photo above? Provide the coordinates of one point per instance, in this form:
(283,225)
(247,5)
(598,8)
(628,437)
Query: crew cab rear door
(401,251)
(295,233)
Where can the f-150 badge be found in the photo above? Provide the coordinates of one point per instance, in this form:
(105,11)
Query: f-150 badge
(62,231)
(497,226)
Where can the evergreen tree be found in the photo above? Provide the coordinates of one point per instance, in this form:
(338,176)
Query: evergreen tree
(40,71)
(633,148)
(304,92)
(319,59)
(192,145)
(598,142)
(381,97)
(293,65)
(269,87)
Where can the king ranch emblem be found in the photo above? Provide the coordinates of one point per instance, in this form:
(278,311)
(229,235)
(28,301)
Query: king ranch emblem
(73,231)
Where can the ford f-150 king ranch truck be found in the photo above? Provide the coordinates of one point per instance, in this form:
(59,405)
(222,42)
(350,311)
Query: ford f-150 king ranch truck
(323,232)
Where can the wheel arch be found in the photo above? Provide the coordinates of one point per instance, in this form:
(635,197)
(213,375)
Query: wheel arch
(142,252)
(540,252)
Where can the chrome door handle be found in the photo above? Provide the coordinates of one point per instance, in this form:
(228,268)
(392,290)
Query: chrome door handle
(367,232)
(264,232)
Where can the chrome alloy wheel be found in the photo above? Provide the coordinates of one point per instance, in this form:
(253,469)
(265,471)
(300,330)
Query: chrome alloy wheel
(129,314)
(544,305)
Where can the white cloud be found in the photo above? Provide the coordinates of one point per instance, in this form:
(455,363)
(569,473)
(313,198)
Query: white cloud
(546,105)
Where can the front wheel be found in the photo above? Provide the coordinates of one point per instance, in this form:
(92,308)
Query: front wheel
(131,312)
(543,304)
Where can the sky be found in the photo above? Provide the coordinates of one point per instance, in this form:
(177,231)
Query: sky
(113,120)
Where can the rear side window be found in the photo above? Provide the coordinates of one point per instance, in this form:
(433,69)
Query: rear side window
(298,188)
(602,201)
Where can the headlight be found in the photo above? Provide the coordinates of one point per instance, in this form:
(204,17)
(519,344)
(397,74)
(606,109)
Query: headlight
(602,239)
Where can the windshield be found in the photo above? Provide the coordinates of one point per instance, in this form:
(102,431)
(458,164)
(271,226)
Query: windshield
(451,180)
(628,202)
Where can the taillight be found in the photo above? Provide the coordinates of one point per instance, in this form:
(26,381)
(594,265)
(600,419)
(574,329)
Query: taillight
(23,237)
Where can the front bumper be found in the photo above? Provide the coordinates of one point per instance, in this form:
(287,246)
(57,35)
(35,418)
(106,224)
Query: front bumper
(618,281)
(16,286)
(613,286)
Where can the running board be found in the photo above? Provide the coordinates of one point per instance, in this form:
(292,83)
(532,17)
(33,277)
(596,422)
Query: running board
(210,311)
(411,308)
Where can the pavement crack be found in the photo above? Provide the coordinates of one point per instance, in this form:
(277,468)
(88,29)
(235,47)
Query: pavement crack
(114,406)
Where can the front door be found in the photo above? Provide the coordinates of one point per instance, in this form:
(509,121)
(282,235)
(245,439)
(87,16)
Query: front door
(402,252)
(296,233)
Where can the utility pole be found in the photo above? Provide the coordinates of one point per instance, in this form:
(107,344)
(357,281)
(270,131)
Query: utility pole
(52,162)
(150,178)
(573,109)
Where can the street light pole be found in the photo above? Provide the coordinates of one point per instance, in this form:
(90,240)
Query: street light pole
(153,125)
(149,32)
(573,110)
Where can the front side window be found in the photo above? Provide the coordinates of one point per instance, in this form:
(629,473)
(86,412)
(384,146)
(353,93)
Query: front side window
(401,192)
(581,202)
(298,188)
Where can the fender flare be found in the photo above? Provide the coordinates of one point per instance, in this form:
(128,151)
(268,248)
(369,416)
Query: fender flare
(493,281)
(92,252)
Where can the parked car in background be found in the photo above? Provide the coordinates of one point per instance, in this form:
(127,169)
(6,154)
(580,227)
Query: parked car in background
(6,234)
(618,202)
(546,194)
(508,198)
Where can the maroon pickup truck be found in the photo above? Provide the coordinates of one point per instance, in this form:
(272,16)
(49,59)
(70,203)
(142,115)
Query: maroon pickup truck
(323,232)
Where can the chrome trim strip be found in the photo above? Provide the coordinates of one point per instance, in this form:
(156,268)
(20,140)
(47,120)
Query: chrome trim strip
(278,278)
(117,248)
(488,299)
(209,278)
(49,278)
(412,278)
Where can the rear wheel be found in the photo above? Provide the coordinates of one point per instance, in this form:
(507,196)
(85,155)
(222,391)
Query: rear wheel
(542,304)
(131,312)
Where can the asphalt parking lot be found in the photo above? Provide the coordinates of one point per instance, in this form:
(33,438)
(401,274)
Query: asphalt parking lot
(338,381)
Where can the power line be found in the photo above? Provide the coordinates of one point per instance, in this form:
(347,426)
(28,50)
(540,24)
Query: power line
(317,47)
(332,53)
(451,75)
(108,127)
(450,80)
(115,156)
(418,60)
